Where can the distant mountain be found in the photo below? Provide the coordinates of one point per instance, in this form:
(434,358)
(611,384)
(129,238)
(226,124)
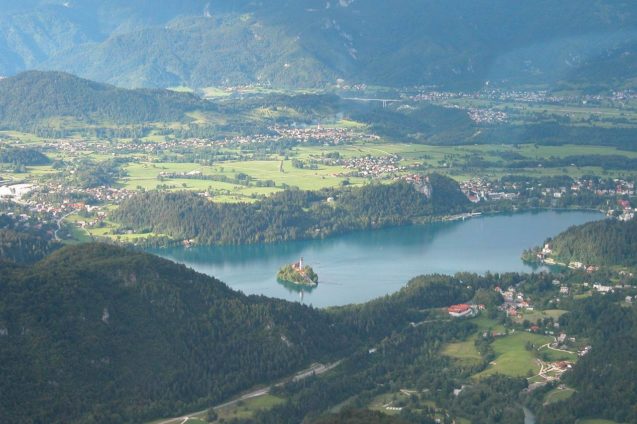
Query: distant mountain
(452,43)
(33,96)
(99,334)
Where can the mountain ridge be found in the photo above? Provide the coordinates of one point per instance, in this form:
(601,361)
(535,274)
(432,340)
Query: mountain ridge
(313,43)
(34,96)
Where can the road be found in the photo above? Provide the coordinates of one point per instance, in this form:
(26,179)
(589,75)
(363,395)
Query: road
(366,99)
(548,346)
(59,222)
(316,369)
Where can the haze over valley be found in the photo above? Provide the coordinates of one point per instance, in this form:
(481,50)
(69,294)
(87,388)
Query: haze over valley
(334,211)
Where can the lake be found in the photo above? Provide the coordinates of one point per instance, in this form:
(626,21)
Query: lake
(360,266)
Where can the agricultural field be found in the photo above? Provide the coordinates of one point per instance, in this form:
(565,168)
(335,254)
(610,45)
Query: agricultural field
(465,352)
(391,403)
(485,323)
(534,316)
(513,358)
(558,394)
(254,142)
(244,409)
(247,408)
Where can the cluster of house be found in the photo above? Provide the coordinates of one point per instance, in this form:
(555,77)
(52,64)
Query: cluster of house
(370,166)
(602,288)
(325,135)
(480,189)
(317,134)
(99,194)
(487,116)
(521,96)
(626,211)
(342,85)
(46,201)
(513,301)
(193,173)
(75,148)
(544,256)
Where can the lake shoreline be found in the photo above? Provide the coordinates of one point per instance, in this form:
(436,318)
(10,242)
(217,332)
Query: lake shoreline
(171,243)
(360,266)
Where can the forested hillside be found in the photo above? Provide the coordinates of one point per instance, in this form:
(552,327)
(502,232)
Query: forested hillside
(289,215)
(99,334)
(360,416)
(95,333)
(23,157)
(608,242)
(603,378)
(458,43)
(23,247)
(33,97)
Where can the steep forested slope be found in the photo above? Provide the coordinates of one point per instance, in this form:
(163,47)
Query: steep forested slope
(94,333)
(608,242)
(23,247)
(290,215)
(604,377)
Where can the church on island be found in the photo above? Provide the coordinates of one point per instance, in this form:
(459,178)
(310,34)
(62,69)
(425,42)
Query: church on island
(298,266)
(298,273)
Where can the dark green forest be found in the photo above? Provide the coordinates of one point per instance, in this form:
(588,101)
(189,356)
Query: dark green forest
(604,379)
(95,333)
(100,334)
(289,215)
(608,242)
(458,43)
(359,416)
(34,97)
(25,157)
(25,247)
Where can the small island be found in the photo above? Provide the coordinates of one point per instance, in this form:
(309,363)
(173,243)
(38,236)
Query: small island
(298,273)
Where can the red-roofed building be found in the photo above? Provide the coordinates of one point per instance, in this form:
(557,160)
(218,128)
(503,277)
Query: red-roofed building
(461,310)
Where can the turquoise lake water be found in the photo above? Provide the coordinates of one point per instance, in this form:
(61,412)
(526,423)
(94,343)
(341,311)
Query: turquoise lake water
(357,267)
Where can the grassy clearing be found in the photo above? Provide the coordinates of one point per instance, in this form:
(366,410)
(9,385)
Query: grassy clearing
(485,324)
(246,409)
(555,355)
(465,351)
(380,402)
(146,175)
(512,358)
(181,89)
(557,395)
(533,316)
(212,92)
